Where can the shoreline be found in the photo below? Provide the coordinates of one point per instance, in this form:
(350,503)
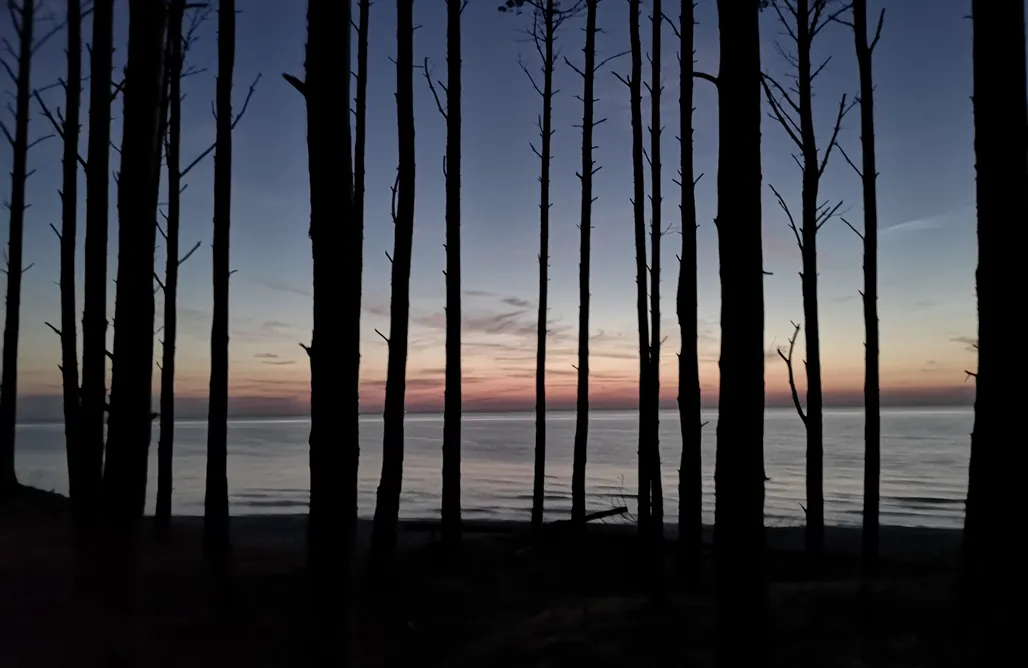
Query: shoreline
(901,544)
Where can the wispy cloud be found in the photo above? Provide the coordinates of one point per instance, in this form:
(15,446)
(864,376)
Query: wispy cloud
(917,225)
(970,343)
(281,286)
(516,302)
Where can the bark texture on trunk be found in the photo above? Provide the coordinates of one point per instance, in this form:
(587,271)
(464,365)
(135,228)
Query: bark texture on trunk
(94,310)
(656,220)
(387,506)
(1001,144)
(872,401)
(452,401)
(585,225)
(69,236)
(549,19)
(337,251)
(690,472)
(215,506)
(12,322)
(166,437)
(739,474)
(639,224)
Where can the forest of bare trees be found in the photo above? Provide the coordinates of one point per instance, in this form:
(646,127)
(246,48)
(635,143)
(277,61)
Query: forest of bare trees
(107,436)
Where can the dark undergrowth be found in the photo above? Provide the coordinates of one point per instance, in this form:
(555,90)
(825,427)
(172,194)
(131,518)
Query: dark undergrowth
(505,600)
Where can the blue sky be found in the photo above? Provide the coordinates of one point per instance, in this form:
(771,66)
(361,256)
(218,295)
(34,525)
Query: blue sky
(926,212)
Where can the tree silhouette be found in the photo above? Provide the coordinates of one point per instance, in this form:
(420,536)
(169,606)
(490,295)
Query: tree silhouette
(94,309)
(588,169)
(690,471)
(634,83)
(24,19)
(178,43)
(868,173)
(993,491)
(803,20)
(547,18)
(655,87)
(387,506)
(335,366)
(451,170)
(68,130)
(215,517)
(739,467)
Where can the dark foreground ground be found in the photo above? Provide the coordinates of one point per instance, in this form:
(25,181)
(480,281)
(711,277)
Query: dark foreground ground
(511,601)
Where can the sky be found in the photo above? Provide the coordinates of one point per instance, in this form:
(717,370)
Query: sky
(927,254)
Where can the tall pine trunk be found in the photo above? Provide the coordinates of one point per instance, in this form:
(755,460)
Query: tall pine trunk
(129,423)
(739,475)
(166,437)
(14,270)
(337,253)
(1001,143)
(387,507)
(869,177)
(452,401)
(690,472)
(546,135)
(814,533)
(639,225)
(69,235)
(586,175)
(656,201)
(215,515)
(94,309)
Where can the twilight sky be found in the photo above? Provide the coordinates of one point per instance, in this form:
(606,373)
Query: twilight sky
(926,213)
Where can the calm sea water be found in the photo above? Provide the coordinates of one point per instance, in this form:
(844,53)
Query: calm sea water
(924,465)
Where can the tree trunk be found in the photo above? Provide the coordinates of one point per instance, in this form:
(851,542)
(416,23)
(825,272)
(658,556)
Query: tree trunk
(869,176)
(166,438)
(639,223)
(337,252)
(94,310)
(129,424)
(586,175)
(1001,143)
(452,401)
(549,58)
(739,475)
(815,526)
(690,472)
(656,483)
(215,507)
(19,174)
(387,506)
(69,223)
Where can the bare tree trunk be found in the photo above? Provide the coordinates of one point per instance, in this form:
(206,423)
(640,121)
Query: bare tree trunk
(166,437)
(803,20)
(656,232)
(69,223)
(586,175)
(335,364)
(639,216)
(128,438)
(452,407)
(739,475)
(24,23)
(1001,143)
(690,472)
(94,310)
(215,516)
(387,506)
(869,177)
(549,58)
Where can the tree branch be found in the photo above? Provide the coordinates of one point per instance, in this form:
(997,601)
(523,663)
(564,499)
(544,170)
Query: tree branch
(792,221)
(792,378)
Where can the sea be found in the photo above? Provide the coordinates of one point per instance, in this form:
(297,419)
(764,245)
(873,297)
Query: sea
(924,465)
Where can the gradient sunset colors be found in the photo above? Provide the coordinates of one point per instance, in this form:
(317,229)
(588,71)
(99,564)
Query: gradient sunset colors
(926,211)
